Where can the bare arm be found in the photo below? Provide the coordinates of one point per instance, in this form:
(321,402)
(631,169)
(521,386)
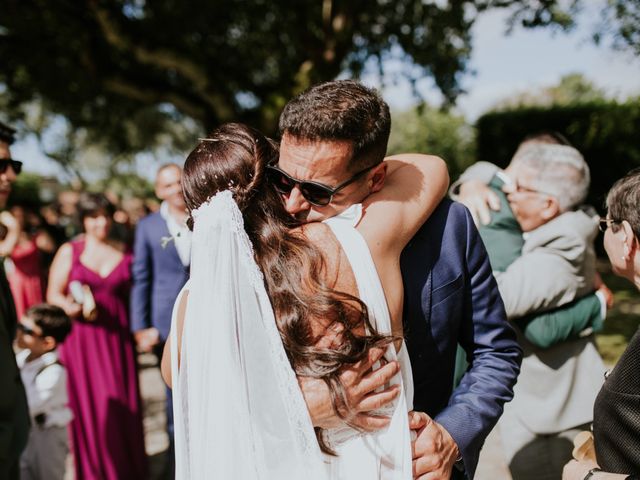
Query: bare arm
(58,279)
(165,363)
(414,186)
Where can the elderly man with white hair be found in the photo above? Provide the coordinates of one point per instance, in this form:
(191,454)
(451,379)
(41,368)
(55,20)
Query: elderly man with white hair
(545,186)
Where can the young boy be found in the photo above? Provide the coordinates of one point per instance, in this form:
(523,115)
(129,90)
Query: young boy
(40,331)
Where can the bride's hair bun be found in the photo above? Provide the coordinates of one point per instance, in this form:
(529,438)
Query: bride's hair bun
(232,157)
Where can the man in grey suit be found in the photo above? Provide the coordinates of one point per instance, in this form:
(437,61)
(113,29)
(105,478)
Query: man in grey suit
(557,386)
(14,414)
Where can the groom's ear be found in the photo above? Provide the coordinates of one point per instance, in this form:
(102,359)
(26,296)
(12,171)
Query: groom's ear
(376,181)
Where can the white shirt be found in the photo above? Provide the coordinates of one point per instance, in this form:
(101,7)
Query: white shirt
(46,388)
(179,232)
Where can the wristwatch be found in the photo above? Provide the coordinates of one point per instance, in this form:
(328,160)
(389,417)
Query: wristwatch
(591,472)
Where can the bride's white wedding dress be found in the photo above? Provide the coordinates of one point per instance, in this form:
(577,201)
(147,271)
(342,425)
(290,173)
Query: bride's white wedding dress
(238,410)
(385,454)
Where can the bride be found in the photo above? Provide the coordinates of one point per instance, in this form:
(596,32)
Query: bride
(269,299)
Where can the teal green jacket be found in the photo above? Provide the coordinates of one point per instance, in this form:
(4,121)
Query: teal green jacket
(503,239)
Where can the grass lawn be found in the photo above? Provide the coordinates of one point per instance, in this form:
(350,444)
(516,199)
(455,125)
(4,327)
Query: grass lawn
(622,320)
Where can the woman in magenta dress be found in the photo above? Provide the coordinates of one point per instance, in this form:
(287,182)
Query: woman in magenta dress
(106,433)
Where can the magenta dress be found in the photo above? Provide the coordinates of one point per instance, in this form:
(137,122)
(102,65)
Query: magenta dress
(106,433)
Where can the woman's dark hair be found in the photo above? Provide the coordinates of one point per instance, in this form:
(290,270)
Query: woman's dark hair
(91,204)
(233,157)
(623,200)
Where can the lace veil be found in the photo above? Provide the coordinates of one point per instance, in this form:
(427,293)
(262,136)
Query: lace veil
(239,413)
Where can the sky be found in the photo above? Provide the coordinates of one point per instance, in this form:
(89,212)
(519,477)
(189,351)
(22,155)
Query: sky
(503,66)
(527,60)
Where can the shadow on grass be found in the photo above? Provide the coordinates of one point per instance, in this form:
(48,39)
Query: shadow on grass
(623,319)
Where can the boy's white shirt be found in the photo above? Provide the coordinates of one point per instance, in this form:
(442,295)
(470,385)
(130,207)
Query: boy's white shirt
(47,390)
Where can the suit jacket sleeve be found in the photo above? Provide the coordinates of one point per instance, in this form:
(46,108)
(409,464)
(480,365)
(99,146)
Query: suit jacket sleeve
(492,350)
(142,272)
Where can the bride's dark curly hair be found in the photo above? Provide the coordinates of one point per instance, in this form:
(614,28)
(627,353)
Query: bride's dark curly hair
(233,157)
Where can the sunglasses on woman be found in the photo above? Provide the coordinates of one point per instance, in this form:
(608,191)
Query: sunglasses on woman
(16,165)
(315,193)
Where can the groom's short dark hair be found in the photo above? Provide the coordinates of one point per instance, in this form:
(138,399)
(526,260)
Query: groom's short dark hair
(341,110)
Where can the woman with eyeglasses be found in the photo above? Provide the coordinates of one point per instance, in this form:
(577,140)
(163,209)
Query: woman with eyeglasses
(616,420)
(90,279)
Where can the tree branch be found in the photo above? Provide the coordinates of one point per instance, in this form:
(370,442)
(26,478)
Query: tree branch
(166,60)
(131,90)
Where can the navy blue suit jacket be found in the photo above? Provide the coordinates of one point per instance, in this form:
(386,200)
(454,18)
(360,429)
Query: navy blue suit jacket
(158,276)
(451,298)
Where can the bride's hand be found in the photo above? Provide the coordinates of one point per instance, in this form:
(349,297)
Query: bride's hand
(359,383)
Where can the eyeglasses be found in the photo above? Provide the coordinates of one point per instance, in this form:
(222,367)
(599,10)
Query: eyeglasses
(16,165)
(605,223)
(522,189)
(315,193)
(27,331)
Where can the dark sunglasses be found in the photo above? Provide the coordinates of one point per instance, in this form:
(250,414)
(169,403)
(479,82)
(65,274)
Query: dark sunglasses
(27,331)
(607,222)
(16,165)
(315,193)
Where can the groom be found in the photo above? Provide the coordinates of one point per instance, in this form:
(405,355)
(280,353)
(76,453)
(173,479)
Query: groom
(451,297)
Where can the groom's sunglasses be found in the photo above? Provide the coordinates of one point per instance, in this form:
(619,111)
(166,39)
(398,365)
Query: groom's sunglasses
(315,193)
(16,165)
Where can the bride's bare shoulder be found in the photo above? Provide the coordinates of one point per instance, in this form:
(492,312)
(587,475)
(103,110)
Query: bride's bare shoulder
(322,237)
(315,231)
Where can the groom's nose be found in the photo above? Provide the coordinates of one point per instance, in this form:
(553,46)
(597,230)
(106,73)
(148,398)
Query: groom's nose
(295,202)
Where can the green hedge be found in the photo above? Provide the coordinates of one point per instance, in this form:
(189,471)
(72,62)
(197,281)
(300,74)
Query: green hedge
(607,134)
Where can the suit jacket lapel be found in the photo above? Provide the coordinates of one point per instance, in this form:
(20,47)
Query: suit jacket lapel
(164,233)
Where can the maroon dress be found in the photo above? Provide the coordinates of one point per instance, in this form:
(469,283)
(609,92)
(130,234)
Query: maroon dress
(106,433)
(26,277)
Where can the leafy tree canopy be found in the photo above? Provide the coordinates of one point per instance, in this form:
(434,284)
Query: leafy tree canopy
(428,129)
(572,89)
(133,75)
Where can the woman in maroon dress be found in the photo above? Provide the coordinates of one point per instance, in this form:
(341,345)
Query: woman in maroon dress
(26,271)
(106,433)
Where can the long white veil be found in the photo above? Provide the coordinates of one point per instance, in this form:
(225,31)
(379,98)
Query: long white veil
(239,412)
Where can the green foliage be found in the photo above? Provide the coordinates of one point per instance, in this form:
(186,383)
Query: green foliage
(126,185)
(605,132)
(571,90)
(123,74)
(623,320)
(429,130)
(620,24)
(26,190)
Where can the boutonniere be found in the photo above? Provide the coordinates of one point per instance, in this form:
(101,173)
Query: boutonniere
(164,241)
